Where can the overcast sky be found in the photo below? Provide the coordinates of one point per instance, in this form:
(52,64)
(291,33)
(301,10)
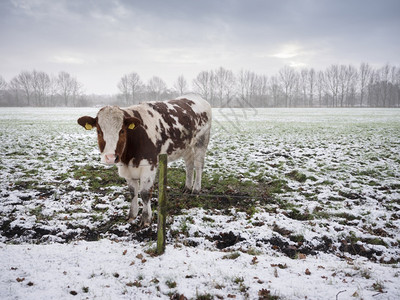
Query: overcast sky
(98,41)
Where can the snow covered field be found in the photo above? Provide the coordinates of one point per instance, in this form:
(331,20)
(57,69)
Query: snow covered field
(305,204)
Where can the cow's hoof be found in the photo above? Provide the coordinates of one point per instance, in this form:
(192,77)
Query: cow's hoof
(187,190)
(144,223)
(131,220)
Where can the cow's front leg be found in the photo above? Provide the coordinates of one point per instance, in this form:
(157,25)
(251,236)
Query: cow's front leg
(147,213)
(134,190)
(146,188)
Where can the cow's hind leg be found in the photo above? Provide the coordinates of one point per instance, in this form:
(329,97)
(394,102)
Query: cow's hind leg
(199,155)
(189,162)
(198,165)
(133,185)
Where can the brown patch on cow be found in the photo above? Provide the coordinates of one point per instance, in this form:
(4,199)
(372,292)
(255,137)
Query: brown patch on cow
(121,142)
(93,122)
(136,114)
(138,147)
(100,138)
(182,113)
(123,135)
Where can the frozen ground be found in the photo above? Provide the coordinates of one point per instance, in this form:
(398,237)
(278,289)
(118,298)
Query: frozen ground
(307,206)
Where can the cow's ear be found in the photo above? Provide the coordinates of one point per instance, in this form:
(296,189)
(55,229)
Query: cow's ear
(87,122)
(132,122)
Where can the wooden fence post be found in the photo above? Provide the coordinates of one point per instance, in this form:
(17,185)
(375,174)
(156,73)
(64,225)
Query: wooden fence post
(162,198)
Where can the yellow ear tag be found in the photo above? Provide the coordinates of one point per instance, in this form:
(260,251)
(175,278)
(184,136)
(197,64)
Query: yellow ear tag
(131,126)
(88,126)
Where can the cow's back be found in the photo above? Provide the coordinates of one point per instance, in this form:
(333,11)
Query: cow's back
(173,127)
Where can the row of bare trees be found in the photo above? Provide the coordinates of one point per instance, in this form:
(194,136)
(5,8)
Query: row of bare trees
(37,88)
(336,86)
(134,90)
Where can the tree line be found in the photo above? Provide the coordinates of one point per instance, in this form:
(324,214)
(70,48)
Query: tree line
(37,88)
(336,86)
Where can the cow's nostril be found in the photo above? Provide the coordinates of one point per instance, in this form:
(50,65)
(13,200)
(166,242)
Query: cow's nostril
(116,159)
(109,158)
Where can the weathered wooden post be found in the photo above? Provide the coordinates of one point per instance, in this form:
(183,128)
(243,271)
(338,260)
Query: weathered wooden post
(162,198)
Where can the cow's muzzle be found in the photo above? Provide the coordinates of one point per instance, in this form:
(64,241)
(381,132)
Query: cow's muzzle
(111,159)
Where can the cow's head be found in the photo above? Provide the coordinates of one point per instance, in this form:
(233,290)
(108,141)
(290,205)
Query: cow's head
(113,127)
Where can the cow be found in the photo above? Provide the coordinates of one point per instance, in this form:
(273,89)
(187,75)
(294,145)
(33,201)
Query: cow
(133,137)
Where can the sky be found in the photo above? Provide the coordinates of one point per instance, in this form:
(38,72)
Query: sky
(98,41)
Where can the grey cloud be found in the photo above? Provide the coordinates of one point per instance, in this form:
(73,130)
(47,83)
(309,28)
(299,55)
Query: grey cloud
(195,35)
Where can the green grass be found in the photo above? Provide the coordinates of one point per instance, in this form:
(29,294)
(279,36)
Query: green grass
(98,177)
(220,192)
(171,284)
(297,175)
(232,255)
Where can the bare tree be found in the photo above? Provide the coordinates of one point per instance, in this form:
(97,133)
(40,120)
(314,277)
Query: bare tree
(123,86)
(397,84)
(320,85)
(204,85)
(181,85)
(3,90)
(64,83)
(136,85)
(365,76)
(246,85)
(25,83)
(41,87)
(261,90)
(54,88)
(380,85)
(346,84)
(69,88)
(274,90)
(288,78)
(331,83)
(342,81)
(15,89)
(3,83)
(76,91)
(252,89)
(304,85)
(156,87)
(351,85)
(130,86)
(311,86)
(224,85)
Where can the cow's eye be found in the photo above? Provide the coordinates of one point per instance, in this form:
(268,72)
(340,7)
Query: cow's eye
(122,131)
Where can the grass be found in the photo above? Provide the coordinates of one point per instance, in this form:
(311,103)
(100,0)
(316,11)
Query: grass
(98,178)
(171,284)
(232,255)
(311,172)
(297,175)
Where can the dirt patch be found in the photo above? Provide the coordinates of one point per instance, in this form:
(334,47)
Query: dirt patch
(226,239)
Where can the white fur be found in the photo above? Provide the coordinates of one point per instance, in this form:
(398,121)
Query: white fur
(110,120)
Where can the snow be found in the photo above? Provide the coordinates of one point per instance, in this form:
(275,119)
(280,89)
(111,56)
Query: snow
(110,270)
(350,160)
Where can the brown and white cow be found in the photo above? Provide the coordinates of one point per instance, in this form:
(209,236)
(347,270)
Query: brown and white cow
(133,137)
